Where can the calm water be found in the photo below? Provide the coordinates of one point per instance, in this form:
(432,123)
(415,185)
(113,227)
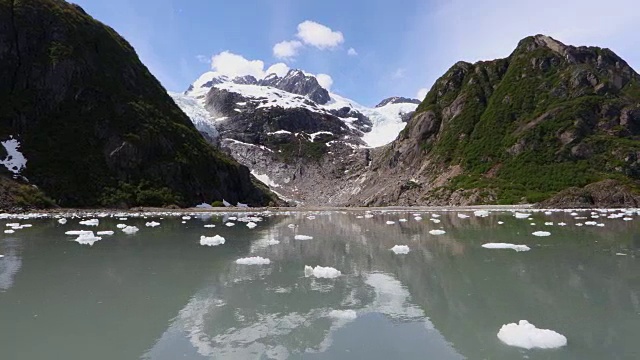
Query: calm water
(159,294)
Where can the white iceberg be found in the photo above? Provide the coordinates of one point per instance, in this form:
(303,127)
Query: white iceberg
(390,222)
(87,239)
(481,213)
(186,217)
(211,241)
(437,232)
(152,224)
(522,215)
(303,237)
(506,246)
(230,224)
(417,218)
(121,226)
(541,233)
(209,226)
(9,231)
(62,221)
(400,249)
(251,225)
(463,216)
(526,335)
(321,272)
(104,233)
(91,222)
(78,232)
(256,260)
(130,230)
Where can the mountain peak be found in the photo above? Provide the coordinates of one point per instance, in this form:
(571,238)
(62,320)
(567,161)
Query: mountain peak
(397,100)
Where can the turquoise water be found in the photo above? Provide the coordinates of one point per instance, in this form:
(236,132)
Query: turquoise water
(159,294)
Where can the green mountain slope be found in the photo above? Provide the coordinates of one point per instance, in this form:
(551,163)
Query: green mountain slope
(519,129)
(95,126)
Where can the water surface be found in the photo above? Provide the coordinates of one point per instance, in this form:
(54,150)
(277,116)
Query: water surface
(159,294)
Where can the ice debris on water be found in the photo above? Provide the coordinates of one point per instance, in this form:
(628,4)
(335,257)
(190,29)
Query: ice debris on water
(463,216)
(230,224)
(91,222)
(541,233)
(62,221)
(303,237)
(522,215)
(251,225)
(437,232)
(152,224)
(256,260)
(273,242)
(212,241)
(390,222)
(526,335)
(130,230)
(78,232)
(121,226)
(209,226)
(321,272)
(481,213)
(400,249)
(506,246)
(87,238)
(9,231)
(108,232)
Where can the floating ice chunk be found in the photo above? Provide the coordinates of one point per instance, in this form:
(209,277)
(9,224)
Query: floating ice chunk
(87,238)
(403,220)
(256,260)
(104,233)
(522,215)
(368,216)
(400,249)
(359,217)
(417,218)
(311,217)
(579,224)
(230,224)
(78,232)
(209,226)
(123,219)
(437,232)
(9,231)
(321,272)
(273,242)
(548,213)
(435,215)
(1,256)
(204,206)
(574,214)
(186,217)
(390,222)
(12,225)
(621,254)
(627,219)
(121,226)
(251,225)
(600,225)
(91,222)
(541,233)
(211,241)
(343,314)
(291,226)
(526,335)
(62,221)
(303,237)
(549,223)
(463,216)
(591,223)
(533,224)
(481,213)
(506,246)
(562,224)
(130,230)
(152,224)
(500,222)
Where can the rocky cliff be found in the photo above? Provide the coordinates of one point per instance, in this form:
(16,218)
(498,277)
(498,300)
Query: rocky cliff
(95,127)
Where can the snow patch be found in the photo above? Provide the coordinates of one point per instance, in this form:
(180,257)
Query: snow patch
(15,161)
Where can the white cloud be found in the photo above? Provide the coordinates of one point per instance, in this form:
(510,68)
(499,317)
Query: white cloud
(352,52)
(232,65)
(286,49)
(325,81)
(318,35)
(422,93)
(280,69)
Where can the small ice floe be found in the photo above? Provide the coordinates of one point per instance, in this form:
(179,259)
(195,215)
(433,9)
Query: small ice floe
(104,233)
(579,224)
(390,222)
(400,249)
(321,272)
(506,246)
(343,314)
(541,233)
(78,232)
(11,225)
(368,216)
(548,223)
(9,231)
(548,213)
(621,254)
(303,237)
(130,230)
(437,232)
(251,225)
(122,219)
(627,219)
(311,217)
(500,222)
(87,238)
(526,335)
(1,256)
(435,215)
(481,213)
(121,226)
(600,225)
(590,223)
(417,218)
(211,241)
(272,242)
(562,224)
(533,224)
(255,260)
(359,217)
(91,222)
(574,214)
(435,221)
(230,224)
(463,216)
(403,220)
(209,226)
(522,215)
(62,221)
(152,224)
(291,226)
(186,217)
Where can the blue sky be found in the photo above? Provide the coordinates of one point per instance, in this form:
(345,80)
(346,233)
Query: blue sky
(399,48)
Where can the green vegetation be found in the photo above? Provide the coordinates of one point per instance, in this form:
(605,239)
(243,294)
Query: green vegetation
(143,194)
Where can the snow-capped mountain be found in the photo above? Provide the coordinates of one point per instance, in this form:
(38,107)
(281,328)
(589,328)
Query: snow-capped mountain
(292,133)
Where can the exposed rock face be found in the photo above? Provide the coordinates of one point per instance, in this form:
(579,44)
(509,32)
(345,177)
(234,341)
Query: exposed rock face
(297,82)
(397,100)
(607,193)
(96,127)
(513,130)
